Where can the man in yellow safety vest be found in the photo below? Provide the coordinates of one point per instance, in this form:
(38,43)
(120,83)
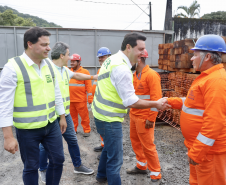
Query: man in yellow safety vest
(114,94)
(31,100)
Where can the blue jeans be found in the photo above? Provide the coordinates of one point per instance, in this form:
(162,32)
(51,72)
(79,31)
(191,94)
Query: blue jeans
(71,139)
(29,140)
(112,154)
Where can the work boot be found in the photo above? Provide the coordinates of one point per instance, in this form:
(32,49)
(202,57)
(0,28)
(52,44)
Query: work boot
(155,181)
(136,170)
(42,175)
(98,157)
(98,149)
(86,134)
(83,169)
(101,180)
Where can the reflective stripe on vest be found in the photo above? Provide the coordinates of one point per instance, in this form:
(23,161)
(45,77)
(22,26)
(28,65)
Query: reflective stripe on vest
(154,109)
(155,173)
(67,99)
(183,99)
(67,107)
(106,113)
(107,102)
(103,76)
(197,112)
(33,119)
(51,71)
(205,140)
(78,85)
(144,97)
(142,164)
(95,83)
(90,94)
(27,84)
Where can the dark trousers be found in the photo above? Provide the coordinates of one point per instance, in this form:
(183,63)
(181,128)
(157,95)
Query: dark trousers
(73,148)
(112,154)
(51,138)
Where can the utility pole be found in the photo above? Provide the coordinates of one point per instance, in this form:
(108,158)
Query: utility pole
(168,16)
(150,16)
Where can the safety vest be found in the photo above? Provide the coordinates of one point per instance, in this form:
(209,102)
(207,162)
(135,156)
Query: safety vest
(107,105)
(34,101)
(64,89)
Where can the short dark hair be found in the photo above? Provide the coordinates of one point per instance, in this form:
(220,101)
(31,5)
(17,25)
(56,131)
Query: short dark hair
(131,39)
(33,34)
(59,48)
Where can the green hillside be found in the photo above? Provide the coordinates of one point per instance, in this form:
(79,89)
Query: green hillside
(38,21)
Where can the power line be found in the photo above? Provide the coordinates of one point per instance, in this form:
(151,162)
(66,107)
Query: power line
(141,8)
(136,18)
(106,3)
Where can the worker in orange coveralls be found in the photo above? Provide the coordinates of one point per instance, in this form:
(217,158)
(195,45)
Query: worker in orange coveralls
(79,89)
(203,115)
(147,85)
(102,54)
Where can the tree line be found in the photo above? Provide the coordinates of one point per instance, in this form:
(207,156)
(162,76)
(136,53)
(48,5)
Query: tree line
(11,17)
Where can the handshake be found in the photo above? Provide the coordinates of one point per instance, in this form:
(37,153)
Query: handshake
(162,104)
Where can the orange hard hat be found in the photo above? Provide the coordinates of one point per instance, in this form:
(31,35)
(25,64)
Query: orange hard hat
(145,55)
(75,57)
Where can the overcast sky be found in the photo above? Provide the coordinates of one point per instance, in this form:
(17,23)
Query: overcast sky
(87,14)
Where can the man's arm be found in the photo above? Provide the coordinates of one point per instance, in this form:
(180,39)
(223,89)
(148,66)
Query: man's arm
(81,76)
(160,104)
(8,84)
(10,143)
(121,79)
(60,107)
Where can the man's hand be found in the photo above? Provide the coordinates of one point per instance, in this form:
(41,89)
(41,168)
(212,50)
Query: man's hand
(95,77)
(63,123)
(11,145)
(162,104)
(191,161)
(149,124)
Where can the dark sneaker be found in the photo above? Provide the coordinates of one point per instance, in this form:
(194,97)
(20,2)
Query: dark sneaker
(83,169)
(42,175)
(136,170)
(86,134)
(98,157)
(98,149)
(100,180)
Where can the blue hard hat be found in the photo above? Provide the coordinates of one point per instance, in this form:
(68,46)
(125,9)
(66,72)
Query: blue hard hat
(210,43)
(103,51)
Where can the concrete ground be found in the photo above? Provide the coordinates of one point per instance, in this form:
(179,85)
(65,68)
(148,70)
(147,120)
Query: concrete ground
(168,140)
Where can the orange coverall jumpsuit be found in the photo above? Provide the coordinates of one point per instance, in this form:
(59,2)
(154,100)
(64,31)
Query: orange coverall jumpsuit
(78,98)
(147,87)
(203,125)
(93,92)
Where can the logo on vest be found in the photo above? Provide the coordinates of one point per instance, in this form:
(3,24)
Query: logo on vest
(48,79)
(191,95)
(140,86)
(107,62)
(66,82)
